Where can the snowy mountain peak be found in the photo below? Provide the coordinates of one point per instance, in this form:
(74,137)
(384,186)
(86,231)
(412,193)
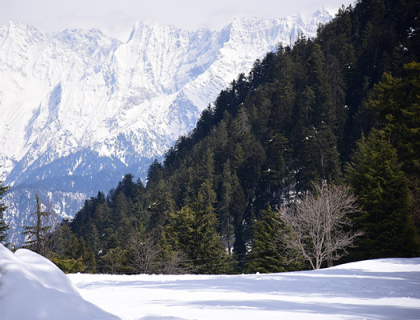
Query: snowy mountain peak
(79,109)
(322,13)
(15,27)
(133,31)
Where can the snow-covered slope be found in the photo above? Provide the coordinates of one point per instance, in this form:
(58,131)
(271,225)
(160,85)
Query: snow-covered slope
(79,109)
(32,288)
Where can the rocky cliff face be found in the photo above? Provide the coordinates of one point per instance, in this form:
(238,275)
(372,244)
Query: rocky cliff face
(79,109)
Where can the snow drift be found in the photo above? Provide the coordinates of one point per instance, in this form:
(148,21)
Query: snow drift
(32,287)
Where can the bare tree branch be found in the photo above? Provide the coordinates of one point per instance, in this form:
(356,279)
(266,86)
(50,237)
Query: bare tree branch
(148,257)
(145,251)
(321,224)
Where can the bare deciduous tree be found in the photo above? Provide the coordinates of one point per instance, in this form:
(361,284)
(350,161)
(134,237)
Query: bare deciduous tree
(144,252)
(176,263)
(37,236)
(148,257)
(321,224)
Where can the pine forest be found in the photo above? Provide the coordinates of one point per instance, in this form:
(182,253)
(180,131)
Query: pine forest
(310,160)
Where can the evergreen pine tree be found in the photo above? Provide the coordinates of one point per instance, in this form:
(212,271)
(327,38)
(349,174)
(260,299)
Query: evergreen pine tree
(122,226)
(154,174)
(266,251)
(378,181)
(3,226)
(194,231)
(162,206)
(237,208)
(396,103)
(322,107)
(226,220)
(92,238)
(320,157)
(76,249)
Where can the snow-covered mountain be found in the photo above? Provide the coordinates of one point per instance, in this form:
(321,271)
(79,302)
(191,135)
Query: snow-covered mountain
(79,109)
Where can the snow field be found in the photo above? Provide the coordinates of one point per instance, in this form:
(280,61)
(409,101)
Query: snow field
(31,287)
(375,289)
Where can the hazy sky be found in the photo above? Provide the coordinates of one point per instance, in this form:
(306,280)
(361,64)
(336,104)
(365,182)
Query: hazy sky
(116,17)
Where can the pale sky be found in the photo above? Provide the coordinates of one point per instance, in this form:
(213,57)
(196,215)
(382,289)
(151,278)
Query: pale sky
(117,17)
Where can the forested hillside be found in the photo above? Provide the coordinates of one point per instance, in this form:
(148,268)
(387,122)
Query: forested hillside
(341,109)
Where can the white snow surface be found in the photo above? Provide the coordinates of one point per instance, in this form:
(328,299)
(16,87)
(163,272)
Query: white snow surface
(31,287)
(375,289)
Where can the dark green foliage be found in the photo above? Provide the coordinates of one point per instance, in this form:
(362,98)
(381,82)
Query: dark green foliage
(68,265)
(266,250)
(320,156)
(161,208)
(71,254)
(193,230)
(225,217)
(396,104)
(89,210)
(377,179)
(3,226)
(369,39)
(115,261)
(154,174)
(268,137)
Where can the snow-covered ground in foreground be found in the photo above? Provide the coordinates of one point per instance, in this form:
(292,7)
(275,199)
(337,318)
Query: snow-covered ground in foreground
(375,289)
(31,287)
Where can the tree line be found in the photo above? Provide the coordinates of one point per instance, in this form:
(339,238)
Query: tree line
(312,157)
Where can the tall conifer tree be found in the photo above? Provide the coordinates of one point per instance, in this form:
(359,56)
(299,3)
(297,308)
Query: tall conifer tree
(378,181)
(194,231)
(3,226)
(266,252)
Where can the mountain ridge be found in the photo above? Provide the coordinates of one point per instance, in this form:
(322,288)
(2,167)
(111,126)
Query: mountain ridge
(78,104)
